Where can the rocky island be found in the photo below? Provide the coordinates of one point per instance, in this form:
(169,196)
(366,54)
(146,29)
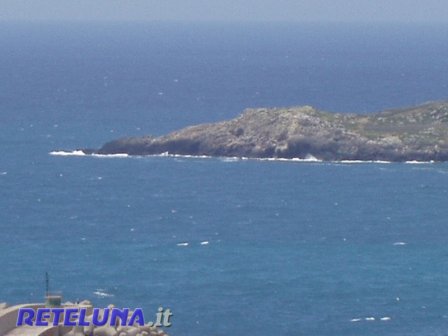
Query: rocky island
(417,133)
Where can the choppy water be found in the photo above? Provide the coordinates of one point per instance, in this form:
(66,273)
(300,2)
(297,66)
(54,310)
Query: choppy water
(231,246)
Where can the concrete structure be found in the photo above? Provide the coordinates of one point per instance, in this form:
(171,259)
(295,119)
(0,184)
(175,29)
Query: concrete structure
(8,323)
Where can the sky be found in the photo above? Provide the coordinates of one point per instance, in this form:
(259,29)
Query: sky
(427,11)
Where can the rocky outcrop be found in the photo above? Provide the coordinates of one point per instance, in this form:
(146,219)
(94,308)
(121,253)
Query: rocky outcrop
(417,133)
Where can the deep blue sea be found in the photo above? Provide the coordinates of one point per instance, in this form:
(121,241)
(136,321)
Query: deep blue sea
(232,247)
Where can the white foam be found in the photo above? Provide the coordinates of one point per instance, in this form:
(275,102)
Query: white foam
(118,155)
(419,162)
(102,294)
(371,318)
(308,158)
(65,153)
(205,243)
(183,244)
(352,161)
(167,154)
(312,158)
(362,161)
(382,162)
(81,153)
(400,243)
(230,159)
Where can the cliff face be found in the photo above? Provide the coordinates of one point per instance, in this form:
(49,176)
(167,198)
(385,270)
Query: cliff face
(417,133)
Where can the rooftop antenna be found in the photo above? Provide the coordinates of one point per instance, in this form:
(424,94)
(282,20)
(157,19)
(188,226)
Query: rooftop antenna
(51,300)
(47,284)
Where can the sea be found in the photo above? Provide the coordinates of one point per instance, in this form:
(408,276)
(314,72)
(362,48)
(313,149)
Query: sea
(230,246)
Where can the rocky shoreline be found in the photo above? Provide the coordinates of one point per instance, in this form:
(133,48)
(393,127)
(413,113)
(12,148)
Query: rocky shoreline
(417,133)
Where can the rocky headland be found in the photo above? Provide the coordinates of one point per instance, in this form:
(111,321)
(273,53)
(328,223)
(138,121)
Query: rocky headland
(417,133)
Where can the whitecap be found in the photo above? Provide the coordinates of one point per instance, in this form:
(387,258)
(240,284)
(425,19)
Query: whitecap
(370,319)
(102,294)
(65,153)
(205,243)
(3,173)
(419,162)
(351,161)
(311,158)
(386,318)
(182,156)
(355,320)
(362,161)
(81,153)
(399,244)
(308,158)
(230,159)
(182,244)
(118,155)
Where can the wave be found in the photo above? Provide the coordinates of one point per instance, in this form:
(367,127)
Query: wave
(118,155)
(81,153)
(102,294)
(419,162)
(370,318)
(362,161)
(308,158)
(229,159)
(167,154)
(65,153)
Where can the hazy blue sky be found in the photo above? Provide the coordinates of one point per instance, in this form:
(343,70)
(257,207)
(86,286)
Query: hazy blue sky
(227,10)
